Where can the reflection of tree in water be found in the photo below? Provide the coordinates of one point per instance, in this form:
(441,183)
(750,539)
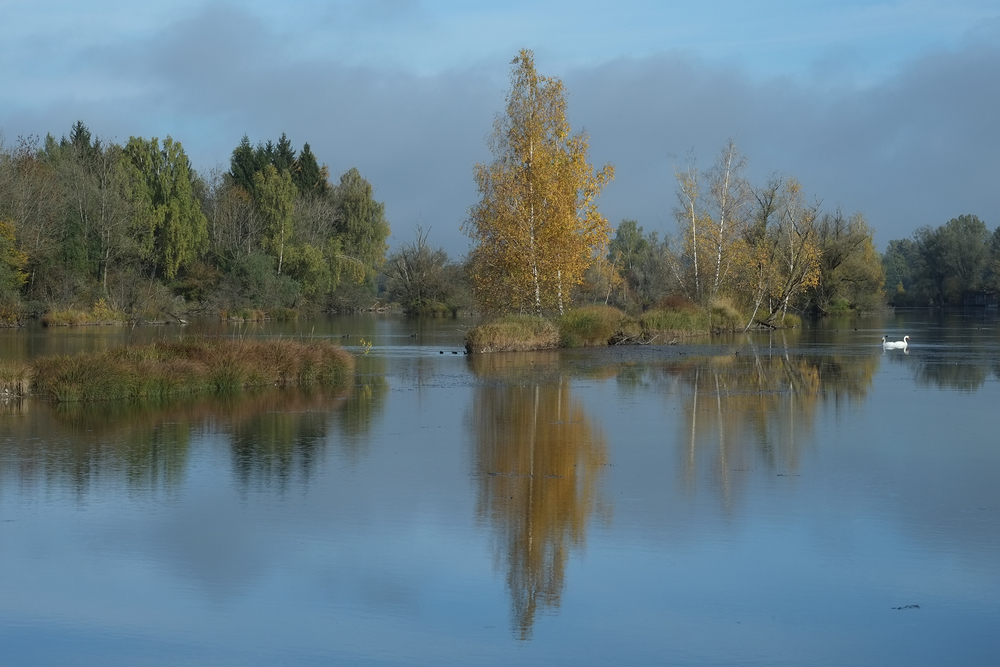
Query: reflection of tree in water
(270,441)
(79,446)
(355,417)
(538,461)
(756,409)
(948,370)
(275,434)
(962,375)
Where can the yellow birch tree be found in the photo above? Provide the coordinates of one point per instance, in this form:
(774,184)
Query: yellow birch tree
(536,228)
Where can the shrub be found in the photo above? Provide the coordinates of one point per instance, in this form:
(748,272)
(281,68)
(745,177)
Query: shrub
(513,333)
(281,314)
(789,321)
(11,313)
(678,302)
(100,313)
(590,325)
(725,316)
(65,318)
(839,306)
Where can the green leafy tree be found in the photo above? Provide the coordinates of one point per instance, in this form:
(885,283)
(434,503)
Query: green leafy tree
(993,271)
(12,274)
(174,231)
(952,259)
(898,263)
(361,225)
(850,270)
(276,202)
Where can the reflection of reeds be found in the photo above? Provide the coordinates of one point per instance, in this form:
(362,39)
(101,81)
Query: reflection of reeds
(186,367)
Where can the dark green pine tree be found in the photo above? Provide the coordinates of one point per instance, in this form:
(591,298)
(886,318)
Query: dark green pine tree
(79,141)
(283,155)
(243,165)
(308,176)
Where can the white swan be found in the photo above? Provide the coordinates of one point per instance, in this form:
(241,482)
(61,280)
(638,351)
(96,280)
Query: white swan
(895,344)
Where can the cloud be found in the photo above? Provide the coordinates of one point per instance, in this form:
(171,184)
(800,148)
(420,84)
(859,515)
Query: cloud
(915,148)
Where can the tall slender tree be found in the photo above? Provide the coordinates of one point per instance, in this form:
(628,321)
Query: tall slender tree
(536,228)
(174,229)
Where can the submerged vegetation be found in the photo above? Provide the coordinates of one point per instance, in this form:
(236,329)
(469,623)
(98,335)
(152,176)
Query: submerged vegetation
(184,367)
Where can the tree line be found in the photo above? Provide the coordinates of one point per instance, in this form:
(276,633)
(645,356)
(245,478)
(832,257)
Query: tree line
(134,227)
(953,264)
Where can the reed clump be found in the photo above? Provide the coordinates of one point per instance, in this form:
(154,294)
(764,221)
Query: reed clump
(167,369)
(595,325)
(725,316)
(100,313)
(15,378)
(513,333)
(257,315)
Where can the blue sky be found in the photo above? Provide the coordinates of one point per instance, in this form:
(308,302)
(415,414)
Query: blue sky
(888,108)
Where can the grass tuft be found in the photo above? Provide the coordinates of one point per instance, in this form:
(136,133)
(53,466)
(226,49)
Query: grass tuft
(15,378)
(512,333)
(591,325)
(100,313)
(167,369)
(725,316)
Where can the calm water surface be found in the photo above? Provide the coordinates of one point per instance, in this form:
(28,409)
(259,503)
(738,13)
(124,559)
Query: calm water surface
(801,498)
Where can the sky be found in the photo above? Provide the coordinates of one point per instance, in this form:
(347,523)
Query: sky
(889,109)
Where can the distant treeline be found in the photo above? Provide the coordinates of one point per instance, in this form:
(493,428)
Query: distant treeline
(132,232)
(135,229)
(956,263)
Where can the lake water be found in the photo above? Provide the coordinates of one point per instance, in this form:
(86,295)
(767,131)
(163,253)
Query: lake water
(798,498)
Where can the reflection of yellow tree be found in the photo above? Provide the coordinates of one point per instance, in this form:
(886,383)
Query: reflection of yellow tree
(757,408)
(538,461)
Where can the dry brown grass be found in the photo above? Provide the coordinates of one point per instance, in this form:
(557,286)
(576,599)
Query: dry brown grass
(513,333)
(190,366)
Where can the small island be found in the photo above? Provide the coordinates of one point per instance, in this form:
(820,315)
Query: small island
(175,368)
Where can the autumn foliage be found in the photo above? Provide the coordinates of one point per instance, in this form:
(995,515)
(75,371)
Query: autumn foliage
(536,228)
